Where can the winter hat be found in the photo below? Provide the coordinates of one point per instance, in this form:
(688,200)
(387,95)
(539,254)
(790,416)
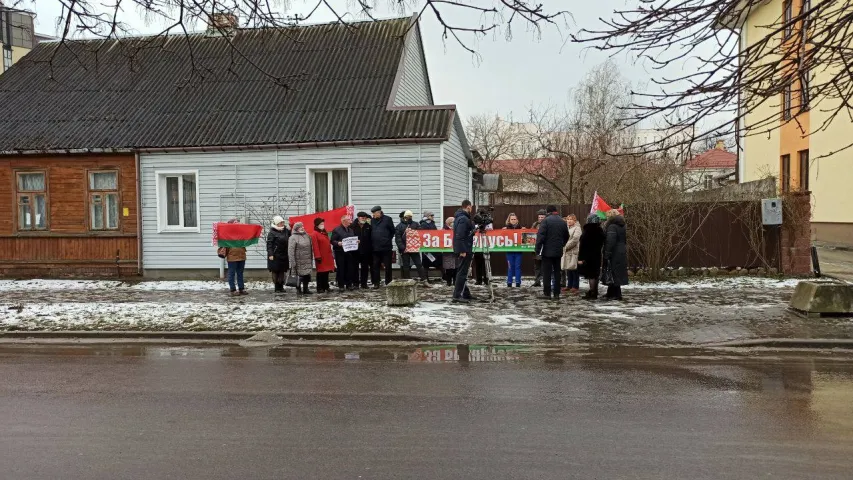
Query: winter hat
(541,212)
(276,220)
(376,209)
(427,213)
(551,209)
(299,227)
(593,219)
(318,221)
(408,213)
(362,215)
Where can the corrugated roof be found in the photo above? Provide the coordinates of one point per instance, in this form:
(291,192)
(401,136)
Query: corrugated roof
(713,158)
(198,90)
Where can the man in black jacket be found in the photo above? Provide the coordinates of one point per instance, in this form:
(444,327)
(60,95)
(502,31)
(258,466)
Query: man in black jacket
(537,260)
(550,240)
(382,240)
(463,249)
(345,262)
(365,248)
(429,259)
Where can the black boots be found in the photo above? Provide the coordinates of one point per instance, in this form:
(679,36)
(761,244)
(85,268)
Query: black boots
(279,287)
(592,294)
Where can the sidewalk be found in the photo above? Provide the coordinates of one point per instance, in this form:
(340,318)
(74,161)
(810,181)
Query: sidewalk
(689,312)
(836,263)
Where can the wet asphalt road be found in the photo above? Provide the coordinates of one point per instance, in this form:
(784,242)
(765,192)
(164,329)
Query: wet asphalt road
(227,413)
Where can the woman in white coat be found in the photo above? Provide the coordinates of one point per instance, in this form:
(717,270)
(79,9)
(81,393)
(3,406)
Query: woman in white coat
(569,262)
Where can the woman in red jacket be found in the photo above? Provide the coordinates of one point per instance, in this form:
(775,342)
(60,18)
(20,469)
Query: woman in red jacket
(323,257)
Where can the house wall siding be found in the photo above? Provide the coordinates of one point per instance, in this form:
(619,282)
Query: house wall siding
(397,177)
(456,178)
(413,89)
(68,246)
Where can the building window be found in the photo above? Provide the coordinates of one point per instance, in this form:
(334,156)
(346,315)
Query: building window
(804,90)
(7,59)
(708,182)
(32,201)
(103,200)
(786,102)
(329,188)
(807,5)
(177,200)
(785,174)
(788,16)
(804,170)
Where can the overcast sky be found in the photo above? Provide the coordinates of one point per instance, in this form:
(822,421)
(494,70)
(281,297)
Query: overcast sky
(507,77)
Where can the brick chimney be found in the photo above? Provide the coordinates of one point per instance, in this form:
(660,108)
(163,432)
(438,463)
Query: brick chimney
(222,23)
(721,145)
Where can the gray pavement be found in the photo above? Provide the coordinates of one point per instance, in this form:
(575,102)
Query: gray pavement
(836,263)
(442,412)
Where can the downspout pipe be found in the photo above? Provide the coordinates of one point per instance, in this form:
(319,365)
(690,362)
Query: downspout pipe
(139,264)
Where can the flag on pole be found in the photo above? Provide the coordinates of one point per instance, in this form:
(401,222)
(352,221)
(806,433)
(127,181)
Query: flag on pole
(600,207)
(234,235)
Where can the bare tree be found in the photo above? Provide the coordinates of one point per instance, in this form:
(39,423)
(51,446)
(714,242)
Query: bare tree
(95,19)
(725,76)
(495,139)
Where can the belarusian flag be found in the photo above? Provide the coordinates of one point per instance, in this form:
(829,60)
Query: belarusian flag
(233,235)
(600,207)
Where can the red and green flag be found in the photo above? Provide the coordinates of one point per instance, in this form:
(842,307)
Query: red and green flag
(600,207)
(233,235)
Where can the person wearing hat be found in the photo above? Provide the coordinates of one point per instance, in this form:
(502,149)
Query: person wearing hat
(277,259)
(537,259)
(345,262)
(590,253)
(382,240)
(405,228)
(300,250)
(428,223)
(364,257)
(323,257)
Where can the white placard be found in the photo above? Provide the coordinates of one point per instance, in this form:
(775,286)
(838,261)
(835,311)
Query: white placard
(350,244)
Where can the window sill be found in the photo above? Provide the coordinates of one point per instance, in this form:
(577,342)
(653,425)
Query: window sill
(179,230)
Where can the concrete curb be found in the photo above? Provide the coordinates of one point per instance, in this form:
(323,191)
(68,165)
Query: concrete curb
(845,343)
(209,336)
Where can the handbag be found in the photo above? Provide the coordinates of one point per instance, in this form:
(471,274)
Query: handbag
(291,281)
(222,252)
(607,275)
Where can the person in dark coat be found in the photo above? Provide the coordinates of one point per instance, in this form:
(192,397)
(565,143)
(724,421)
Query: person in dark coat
(404,229)
(550,239)
(382,239)
(537,260)
(589,254)
(277,259)
(365,248)
(428,223)
(448,260)
(346,263)
(463,249)
(616,254)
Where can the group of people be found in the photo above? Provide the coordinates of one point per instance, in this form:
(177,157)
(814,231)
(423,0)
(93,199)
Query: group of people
(564,252)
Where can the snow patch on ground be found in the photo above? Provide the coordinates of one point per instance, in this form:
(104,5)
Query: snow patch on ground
(722,283)
(515,321)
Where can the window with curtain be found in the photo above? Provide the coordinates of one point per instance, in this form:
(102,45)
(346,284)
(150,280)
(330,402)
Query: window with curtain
(330,189)
(178,199)
(103,200)
(785,174)
(804,170)
(32,201)
(786,103)
(788,16)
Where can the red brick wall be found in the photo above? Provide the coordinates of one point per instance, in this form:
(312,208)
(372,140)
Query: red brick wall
(796,235)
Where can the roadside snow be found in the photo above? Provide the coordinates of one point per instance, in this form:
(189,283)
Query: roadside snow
(721,283)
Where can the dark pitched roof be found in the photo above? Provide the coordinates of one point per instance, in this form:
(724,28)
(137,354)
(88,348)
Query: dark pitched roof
(198,90)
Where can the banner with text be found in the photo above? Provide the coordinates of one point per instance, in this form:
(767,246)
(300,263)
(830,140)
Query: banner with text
(521,240)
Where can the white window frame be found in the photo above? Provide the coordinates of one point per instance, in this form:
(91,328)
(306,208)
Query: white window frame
(309,182)
(160,188)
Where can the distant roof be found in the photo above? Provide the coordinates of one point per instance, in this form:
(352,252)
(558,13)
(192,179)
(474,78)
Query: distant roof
(143,92)
(713,158)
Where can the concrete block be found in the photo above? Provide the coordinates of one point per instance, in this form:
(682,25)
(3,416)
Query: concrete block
(823,298)
(402,293)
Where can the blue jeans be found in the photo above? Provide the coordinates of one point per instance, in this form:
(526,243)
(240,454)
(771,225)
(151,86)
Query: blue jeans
(236,269)
(573,279)
(513,261)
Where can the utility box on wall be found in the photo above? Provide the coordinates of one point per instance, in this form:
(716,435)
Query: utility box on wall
(771,211)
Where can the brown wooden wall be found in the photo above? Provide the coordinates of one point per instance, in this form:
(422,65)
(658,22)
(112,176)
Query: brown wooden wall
(68,247)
